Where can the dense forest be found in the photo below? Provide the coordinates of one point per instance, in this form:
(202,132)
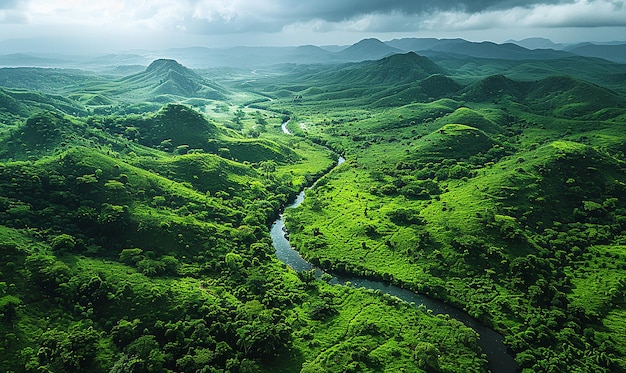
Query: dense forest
(135,215)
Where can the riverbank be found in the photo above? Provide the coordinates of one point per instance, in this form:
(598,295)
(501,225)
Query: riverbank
(490,341)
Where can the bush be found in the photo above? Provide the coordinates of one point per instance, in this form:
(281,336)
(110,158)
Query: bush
(63,242)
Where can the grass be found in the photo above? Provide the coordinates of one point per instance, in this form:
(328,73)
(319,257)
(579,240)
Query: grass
(508,175)
(500,196)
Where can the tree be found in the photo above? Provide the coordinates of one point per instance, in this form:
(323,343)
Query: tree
(427,356)
(268,167)
(131,256)
(262,338)
(233,260)
(71,351)
(63,242)
(8,307)
(146,351)
(47,272)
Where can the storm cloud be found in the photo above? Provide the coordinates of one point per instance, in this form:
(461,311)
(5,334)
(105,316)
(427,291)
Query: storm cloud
(395,15)
(304,22)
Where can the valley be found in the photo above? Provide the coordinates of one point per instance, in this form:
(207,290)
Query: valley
(137,202)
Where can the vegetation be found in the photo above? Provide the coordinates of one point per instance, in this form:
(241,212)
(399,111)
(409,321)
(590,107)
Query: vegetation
(502,199)
(135,215)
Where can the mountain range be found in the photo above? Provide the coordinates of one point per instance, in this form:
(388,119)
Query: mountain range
(367,49)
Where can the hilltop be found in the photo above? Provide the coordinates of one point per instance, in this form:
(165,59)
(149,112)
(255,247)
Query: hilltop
(164,78)
(368,49)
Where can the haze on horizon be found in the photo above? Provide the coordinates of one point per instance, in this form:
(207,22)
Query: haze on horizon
(104,26)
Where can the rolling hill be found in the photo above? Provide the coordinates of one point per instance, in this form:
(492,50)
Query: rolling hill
(139,240)
(615,53)
(167,78)
(563,97)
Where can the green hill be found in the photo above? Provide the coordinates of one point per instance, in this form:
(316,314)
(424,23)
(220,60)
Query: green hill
(19,103)
(473,118)
(142,242)
(174,125)
(568,97)
(396,69)
(571,180)
(495,87)
(367,49)
(42,134)
(169,78)
(205,172)
(452,141)
(564,97)
(438,86)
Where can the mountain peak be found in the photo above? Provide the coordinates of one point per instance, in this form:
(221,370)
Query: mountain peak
(165,77)
(369,41)
(412,61)
(368,44)
(164,64)
(368,49)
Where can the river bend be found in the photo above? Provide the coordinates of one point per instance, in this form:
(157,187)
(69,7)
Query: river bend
(490,341)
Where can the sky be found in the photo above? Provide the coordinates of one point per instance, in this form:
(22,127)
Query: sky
(108,26)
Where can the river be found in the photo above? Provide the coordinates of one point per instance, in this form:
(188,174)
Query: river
(284,127)
(490,341)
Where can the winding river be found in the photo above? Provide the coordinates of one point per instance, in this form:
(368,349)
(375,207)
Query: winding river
(499,359)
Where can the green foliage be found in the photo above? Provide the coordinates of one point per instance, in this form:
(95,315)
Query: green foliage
(63,242)
(136,239)
(9,306)
(505,205)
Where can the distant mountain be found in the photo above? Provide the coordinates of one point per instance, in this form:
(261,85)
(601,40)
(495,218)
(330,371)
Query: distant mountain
(83,62)
(49,80)
(368,49)
(118,60)
(422,44)
(615,53)
(251,58)
(311,54)
(23,59)
(403,77)
(165,77)
(395,69)
(560,96)
(537,43)
(23,103)
(507,51)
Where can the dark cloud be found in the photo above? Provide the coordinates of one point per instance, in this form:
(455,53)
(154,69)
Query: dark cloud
(297,22)
(335,10)
(380,16)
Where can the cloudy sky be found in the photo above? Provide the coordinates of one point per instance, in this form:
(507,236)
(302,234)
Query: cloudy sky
(117,25)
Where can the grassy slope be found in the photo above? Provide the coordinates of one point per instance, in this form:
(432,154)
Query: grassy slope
(99,230)
(489,214)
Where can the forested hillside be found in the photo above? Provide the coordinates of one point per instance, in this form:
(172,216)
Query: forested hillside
(135,215)
(503,198)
